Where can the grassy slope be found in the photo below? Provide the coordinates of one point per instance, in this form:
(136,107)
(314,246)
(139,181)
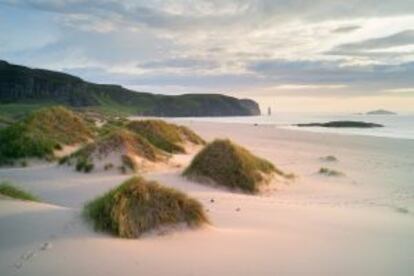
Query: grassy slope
(56,123)
(6,120)
(168,137)
(6,189)
(39,134)
(230,165)
(20,110)
(138,205)
(12,111)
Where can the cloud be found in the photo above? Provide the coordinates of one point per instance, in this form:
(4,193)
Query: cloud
(399,39)
(179,63)
(308,86)
(190,14)
(363,79)
(353,47)
(346,29)
(401,91)
(184,82)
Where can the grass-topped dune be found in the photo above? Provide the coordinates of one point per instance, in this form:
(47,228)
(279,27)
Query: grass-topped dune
(119,149)
(41,133)
(138,206)
(168,137)
(224,163)
(9,191)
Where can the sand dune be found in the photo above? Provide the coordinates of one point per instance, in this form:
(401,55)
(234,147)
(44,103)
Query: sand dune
(359,224)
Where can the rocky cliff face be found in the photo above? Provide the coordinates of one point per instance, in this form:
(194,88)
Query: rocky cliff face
(251,105)
(19,84)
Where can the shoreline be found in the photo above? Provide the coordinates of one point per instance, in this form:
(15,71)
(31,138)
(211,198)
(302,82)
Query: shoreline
(262,120)
(285,128)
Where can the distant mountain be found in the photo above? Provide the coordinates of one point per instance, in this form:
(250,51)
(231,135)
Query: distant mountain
(381,112)
(26,86)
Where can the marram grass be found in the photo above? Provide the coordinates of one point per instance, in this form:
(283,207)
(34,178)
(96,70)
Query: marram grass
(8,190)
(231,165)
(121,141)
(139,205)
(165,136)
(41,133)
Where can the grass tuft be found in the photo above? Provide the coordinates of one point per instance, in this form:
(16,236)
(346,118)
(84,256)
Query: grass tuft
(329,158)
(330,172)
(84,165)
(8,190)
(139,205)
(231,165)
(165,136)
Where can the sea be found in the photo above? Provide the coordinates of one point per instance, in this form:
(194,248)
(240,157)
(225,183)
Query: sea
(395,126)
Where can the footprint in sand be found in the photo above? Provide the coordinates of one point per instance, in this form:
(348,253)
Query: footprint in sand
(45,246)
(31,254)
(18,265)
(28,255)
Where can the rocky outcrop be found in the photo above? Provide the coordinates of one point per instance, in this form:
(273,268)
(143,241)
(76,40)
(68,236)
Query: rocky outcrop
(342,124)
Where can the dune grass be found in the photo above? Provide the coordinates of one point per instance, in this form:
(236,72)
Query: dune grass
(8,190)
(84,165)
(59,124)
(41,133)
(231,165)
(191,136)
(16,141)
(139,205)
(119,141)
(165,136)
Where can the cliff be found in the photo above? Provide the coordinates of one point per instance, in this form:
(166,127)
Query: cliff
(19,84)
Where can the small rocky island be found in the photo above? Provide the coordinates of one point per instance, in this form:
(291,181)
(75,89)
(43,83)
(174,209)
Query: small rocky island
(381,112)
(342,124)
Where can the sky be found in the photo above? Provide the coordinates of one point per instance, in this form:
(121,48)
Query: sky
(292,55)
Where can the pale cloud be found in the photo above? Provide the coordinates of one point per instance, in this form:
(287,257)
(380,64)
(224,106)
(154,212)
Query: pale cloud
(400,39)
(405,90)
(346,29)
(307,87)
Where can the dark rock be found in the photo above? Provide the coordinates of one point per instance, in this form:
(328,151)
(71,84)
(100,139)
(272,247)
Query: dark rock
(342,124)
(381,112)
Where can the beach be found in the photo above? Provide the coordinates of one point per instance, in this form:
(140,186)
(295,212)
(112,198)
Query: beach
(360,223)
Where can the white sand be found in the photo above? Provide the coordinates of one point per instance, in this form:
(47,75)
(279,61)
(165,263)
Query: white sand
(360,224)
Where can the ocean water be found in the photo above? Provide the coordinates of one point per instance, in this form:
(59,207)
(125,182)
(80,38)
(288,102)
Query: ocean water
(395,126)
